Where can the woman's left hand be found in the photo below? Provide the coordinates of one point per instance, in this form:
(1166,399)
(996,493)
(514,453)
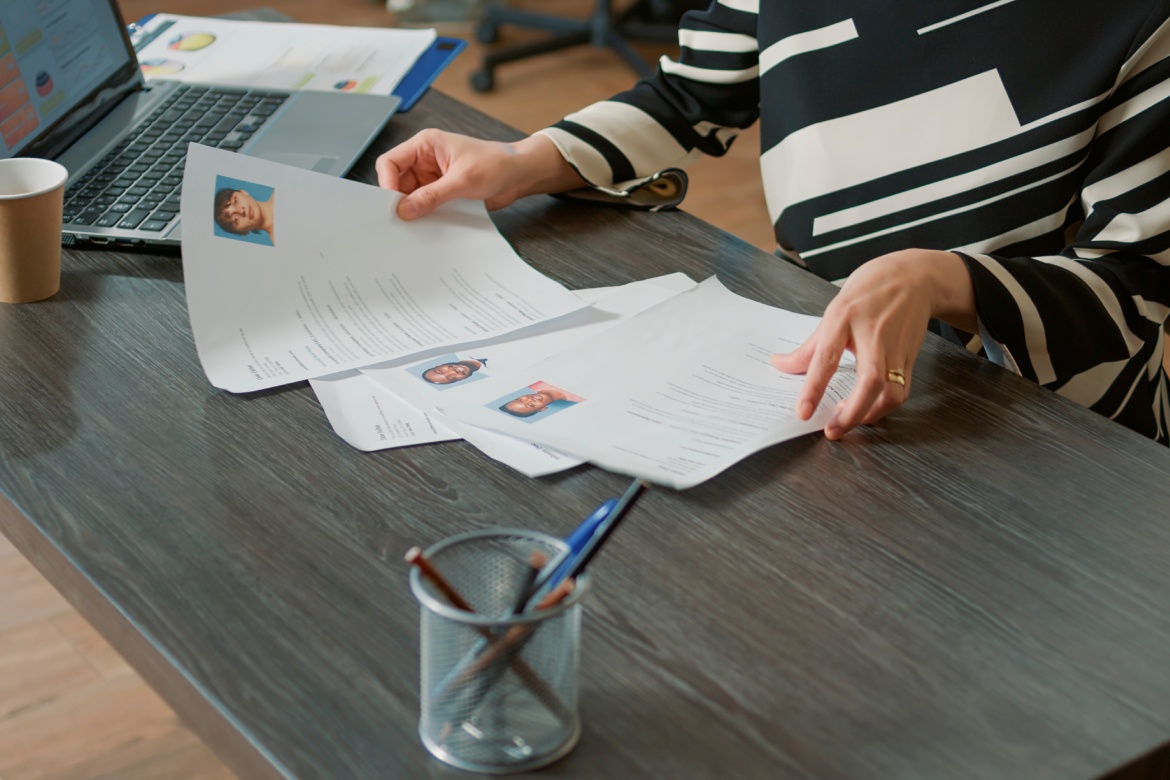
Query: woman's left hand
(881,316)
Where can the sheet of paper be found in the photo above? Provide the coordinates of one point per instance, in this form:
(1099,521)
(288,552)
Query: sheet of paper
(423,383)
(276,55)
(370,417)
(674,395)
(292,275)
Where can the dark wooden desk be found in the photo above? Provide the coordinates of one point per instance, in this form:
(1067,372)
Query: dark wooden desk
(976,589)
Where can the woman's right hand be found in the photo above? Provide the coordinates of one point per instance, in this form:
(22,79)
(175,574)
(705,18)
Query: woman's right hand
(434,167)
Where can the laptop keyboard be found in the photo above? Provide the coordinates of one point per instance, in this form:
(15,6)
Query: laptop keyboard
(137,185)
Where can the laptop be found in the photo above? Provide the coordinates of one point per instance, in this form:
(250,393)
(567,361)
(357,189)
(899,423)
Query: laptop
(73,91)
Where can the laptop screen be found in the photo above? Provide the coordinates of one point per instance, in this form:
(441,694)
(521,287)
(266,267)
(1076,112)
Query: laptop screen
(54,55)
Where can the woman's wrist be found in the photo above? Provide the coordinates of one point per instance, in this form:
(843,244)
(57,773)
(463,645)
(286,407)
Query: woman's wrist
(955,301)
(944,277)
(542,169)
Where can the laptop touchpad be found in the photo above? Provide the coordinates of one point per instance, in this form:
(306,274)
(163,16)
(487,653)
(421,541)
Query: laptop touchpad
(310,162)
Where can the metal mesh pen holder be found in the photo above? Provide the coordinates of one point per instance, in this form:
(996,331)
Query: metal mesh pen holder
(498,693)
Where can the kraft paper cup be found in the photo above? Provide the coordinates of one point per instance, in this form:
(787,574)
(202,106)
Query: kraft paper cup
(32,194)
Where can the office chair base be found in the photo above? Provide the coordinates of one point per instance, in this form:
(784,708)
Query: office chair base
(602,29)
(487,33)
(483,81)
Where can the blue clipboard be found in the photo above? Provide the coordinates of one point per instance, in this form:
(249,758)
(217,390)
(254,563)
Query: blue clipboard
(426,68)
(412,86)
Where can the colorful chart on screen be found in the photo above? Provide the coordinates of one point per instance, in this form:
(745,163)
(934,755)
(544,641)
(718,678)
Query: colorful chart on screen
(44,83)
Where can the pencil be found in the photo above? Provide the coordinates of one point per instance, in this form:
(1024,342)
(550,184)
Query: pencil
(513,637)
(415,557)
(523,670)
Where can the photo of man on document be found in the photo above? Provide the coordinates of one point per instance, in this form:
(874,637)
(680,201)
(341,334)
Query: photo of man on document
(449,369)
(244,211)
(531,401)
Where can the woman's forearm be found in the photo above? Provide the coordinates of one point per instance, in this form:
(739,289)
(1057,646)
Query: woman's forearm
(542,169)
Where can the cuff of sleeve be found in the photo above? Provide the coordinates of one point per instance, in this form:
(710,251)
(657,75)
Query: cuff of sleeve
(663,191)
(988,289)
(658,192)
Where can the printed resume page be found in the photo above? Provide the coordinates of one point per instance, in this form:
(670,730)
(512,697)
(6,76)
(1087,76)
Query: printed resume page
(674,395)
(423,383)
(292,275)
(370,417)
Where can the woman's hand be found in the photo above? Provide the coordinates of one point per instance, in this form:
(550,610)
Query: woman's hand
(881,316)
(434,167)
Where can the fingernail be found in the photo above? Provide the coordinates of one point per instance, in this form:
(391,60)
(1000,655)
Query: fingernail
(407,209)
(804,410)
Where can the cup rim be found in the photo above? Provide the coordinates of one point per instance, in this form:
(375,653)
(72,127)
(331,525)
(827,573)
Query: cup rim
(443,609)
(60,179)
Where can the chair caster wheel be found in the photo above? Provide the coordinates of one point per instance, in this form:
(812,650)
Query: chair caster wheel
(482,81)
(487,33)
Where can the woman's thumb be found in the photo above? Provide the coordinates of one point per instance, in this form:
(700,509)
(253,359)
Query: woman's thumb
(426,199)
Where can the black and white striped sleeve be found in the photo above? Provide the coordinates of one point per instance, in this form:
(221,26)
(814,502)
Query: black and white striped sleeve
(1088,322)
(697,104)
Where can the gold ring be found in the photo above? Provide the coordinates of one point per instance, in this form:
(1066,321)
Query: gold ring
(896,376)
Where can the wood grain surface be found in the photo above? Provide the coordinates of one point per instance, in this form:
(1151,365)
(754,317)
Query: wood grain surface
(973,589)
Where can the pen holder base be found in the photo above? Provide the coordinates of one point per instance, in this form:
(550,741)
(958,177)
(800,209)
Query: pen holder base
(504,757)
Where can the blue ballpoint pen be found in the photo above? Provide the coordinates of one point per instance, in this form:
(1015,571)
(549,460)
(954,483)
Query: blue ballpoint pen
(588,544)
(554,571)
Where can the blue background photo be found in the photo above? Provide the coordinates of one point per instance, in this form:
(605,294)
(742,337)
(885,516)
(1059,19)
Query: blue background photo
(549,410)
(257,191)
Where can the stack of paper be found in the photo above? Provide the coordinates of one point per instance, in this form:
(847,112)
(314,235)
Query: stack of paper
(426,331)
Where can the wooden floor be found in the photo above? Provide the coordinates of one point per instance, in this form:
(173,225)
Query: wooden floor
(70,707)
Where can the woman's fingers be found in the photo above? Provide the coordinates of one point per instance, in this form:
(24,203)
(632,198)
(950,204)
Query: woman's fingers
(796,361)
(427,198)
(890,399)
(394,165)
(832,338)
(874,395)
(417,164)
(435,166)
(880,315)
(853,410)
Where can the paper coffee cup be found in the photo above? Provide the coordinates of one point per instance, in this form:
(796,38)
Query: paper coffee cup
(32,194)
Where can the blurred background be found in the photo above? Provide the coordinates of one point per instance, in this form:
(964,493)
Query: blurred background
(533,93)
(70,707)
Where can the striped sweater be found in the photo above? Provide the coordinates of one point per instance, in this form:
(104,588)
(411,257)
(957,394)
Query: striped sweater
(1029,136)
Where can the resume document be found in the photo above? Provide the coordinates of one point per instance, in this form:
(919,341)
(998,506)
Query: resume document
(427,331)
